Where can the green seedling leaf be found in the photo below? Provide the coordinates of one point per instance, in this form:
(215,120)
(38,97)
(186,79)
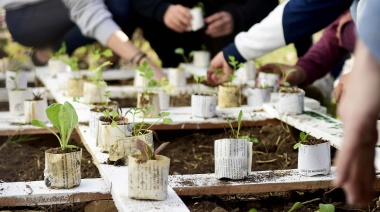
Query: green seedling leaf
(253,210)
(107,53)
(113,123)
(253,140)
(297,145)
(286,84)
(326,208)
(179,51)
(41,124)
(106,113)
(239,123)
(232,129)
(167,120)
(295,206)
(161,147)
(164,114)
(114,114)
(303,136)
(71,146)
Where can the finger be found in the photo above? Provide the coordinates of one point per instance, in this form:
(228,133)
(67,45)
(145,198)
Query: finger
(342,163)
(185,12)
(213,18)
(338,92)
(183,19)
(216,27)
(269,66)
(178,26)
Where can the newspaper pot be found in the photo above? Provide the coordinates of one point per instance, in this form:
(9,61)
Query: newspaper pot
(125,147)
(177,77)
(201,58)
(20,78)
(245,74)
(164,100)
(269,80)
(203,106)
(57,66)
(197,21)
(258,96)
(291,101)
(229,96)
(94,92)
(139,81)
(148,101)
(97,111)
(62,170)
(233,158)
(75,86)
(148,179)
(108,135)
(35,109)
(63,78)
(16,101)
(314,159)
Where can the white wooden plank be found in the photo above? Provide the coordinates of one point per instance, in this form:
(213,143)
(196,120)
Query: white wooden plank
(4,93)
(117,179)
(36,193)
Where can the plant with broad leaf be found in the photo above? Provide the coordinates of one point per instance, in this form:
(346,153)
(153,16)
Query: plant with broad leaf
(138,128)
(303,139)
(322,207)
(236,134)
(181,51)
(60,53)
(146,150)
(64,118)
(199,80)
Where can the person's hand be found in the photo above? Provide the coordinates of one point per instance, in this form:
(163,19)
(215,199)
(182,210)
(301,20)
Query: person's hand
(295,78)
(219,71)
(219,24)
(178,18)
(339,89)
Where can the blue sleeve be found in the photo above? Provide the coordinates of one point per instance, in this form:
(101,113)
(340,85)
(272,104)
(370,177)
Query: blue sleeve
(369,27)
(302,18)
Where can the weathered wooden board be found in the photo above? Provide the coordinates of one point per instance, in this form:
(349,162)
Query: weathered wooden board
(117,179)
(36,193)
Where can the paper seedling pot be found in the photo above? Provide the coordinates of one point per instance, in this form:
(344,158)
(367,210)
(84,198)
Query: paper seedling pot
(177,77)
(233,158)
(62,170)
(93,93)
(201,58)
(149,100)
(245,74)
(197,21)
(57,66)
(108,135)
(139,81)
(291,103)
(94,118)
(16,101)
(35,109)
(258,96)
(269,80)
(21,78)
(164,100)
(125,147)
(229,96)
(148,180)
(75,86)
(314,159)
(203,106)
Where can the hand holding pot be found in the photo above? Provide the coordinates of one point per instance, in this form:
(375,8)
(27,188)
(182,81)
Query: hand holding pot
(215,78)
(294,78)
(178,18)
(219,24)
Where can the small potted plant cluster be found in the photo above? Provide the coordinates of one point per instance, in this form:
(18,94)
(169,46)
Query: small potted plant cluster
(16,97)
(291,99)
(229,95)
(148,101)
(35,108)
(148,173)
(233,156)
(56,64)
(94,91)
(203,105)
(126,145)
(62,165)
(313,156)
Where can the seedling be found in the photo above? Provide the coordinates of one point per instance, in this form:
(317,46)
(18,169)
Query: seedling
(285,74)
(96,54)
(18,138)
(303,139)
(146,150)
(235,134)
(98,78)
(37,96)
(322,207)
(235,65)
(147,73)
(64,118)
(73,63)
(199,80)
(181,51)
(60,53)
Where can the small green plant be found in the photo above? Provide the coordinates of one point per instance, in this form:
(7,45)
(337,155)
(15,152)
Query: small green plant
(303,139)
(146,150)
(96,54)
(181,51)
(285,74)
(18,138)
(64,118)
(235,65)
(322,207)
(147,73)
(98,79)
(73,63)
(236,134)
(60,53)
(199,80)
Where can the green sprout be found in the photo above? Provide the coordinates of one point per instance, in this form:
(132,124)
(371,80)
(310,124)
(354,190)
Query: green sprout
(322,207)
(73,63)
(285,74)
(146,150)
(303,139)
(236,134)
(61,51)
(98,79)
(147,73)
(181,51)
(199,80)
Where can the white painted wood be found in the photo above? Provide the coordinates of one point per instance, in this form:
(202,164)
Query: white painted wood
(36,193)
(117,179)
(31,76)
(4,93)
